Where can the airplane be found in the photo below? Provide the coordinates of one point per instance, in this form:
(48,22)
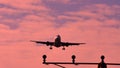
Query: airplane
(57,43)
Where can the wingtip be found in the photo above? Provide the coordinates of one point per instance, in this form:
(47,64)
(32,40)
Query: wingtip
(82,43)
(31,41)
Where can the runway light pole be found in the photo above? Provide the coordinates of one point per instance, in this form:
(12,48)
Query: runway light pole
(73,59)
(44,59)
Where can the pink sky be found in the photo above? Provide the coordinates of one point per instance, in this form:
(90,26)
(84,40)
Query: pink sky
(96,23)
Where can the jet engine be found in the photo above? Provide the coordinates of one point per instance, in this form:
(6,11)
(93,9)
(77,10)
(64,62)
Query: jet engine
(66,44)
(47,43)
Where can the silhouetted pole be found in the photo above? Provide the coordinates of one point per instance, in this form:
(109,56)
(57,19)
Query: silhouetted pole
(102,64)
(44,59)
(73,59)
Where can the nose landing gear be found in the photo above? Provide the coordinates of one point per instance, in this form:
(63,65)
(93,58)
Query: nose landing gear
(63,48)
(50,47)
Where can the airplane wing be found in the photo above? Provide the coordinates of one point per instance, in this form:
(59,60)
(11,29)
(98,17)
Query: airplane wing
(41,42)
(68,44)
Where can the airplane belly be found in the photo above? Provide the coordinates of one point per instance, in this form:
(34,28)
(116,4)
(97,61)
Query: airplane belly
(57,44)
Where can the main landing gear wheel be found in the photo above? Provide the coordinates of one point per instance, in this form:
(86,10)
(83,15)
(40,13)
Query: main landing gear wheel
(50,47)
(63,48)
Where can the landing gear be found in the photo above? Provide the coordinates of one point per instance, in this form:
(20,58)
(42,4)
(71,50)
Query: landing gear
(50,47)
(63,48)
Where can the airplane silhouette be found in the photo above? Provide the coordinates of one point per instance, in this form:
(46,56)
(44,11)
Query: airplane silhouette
(57,43)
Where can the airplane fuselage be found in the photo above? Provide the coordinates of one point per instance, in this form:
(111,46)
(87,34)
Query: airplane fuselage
(58,41)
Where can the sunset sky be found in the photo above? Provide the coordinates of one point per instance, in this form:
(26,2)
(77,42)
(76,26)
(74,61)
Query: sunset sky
(95,22)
